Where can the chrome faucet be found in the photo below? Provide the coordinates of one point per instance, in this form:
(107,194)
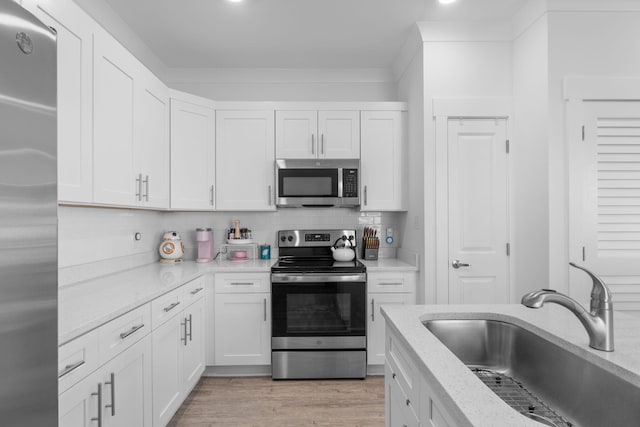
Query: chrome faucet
(598,322)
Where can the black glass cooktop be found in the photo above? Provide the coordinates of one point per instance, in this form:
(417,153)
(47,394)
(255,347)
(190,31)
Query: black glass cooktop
(317,264)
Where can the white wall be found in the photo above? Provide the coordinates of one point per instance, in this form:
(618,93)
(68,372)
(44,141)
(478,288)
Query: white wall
(285,84)
(529,155)
(592,43)
(98,241)
(411,90)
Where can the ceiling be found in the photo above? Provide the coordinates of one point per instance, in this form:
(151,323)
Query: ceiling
(290,33)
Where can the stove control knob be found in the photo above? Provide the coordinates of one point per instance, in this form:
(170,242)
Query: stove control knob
(290,238)
(283,238)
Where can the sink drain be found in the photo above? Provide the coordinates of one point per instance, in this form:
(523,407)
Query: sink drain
(519,398)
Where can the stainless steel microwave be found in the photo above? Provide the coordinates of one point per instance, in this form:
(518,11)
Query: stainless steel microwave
(317,182)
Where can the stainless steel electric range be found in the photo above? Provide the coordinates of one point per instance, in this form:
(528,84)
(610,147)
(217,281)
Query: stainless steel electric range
(318,327)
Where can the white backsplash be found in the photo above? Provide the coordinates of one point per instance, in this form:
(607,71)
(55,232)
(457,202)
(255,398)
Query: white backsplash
(98,241)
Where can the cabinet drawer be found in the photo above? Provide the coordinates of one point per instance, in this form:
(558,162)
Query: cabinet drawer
(402,367)
(124,331)
(391,282)
(194,290)
(77,359)
(242,283)
(166,306)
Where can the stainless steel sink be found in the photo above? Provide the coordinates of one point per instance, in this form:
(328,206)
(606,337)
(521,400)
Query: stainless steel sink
(580,392)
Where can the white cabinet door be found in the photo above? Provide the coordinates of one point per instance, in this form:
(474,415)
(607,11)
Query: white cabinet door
(245,160)
(339,133)
(304,134)
(75,46)
(399,409)
(194,365)
(81,404)
(242,329)
(127,387)
(297,134)
(168,342)
(192,155)
(383,163)
(113,132)
(151,144)
(376,325)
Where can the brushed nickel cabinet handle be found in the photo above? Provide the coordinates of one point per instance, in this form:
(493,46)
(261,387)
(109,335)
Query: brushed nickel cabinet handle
(171,307)
(322,143)
(71,367)
(139,187)
(195,291)
(373,311)
(146,186)
(264,304)
(112,383)
(184,337)
(365,195)
(313,145)
(99,417)
(131,331)
(211,191)
(190,327)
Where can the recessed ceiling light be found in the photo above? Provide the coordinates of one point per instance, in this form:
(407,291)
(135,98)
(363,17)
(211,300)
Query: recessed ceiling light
(446,1)
(235,1)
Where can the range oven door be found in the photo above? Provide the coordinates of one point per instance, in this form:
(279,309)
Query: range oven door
(318,311)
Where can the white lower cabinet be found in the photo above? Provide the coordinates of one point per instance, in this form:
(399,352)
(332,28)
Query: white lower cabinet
(385,288)
(408,398)
(117,394)
(242,319)
(178,348)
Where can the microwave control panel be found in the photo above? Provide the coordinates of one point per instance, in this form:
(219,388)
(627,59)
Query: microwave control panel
(350,183)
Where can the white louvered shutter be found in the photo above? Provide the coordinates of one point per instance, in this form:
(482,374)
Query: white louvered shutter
(609,198)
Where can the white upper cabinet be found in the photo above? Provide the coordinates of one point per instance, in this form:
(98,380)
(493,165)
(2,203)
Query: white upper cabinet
(314,134)
(245,162)
(151,145)
(130,129)
(192,152)
(115,180)
(383,164)
(75,47)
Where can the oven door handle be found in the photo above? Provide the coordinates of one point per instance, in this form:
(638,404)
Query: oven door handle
(317,278)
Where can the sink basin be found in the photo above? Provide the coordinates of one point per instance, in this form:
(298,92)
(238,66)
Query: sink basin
(579,391)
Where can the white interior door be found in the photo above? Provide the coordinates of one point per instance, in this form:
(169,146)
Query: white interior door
(478,211)
(605,201)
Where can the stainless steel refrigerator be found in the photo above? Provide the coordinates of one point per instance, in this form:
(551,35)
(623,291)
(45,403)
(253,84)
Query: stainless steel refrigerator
(28,221)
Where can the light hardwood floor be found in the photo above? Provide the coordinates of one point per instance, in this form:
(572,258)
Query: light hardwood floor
(262,402)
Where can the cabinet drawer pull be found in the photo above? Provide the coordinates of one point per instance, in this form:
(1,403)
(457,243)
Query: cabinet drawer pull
(313,145)
(373,311)
(365,195)
(408,402)
(242,283)
(139,187)
(212,193)
(112,383)
(190,320)
(195,291)
(171,307)
(264,302)
(146,186)
(99,417)
(184,330)
(70,367)
(390,284)
(131,331)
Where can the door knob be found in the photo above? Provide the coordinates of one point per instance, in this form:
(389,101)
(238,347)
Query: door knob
(457,264)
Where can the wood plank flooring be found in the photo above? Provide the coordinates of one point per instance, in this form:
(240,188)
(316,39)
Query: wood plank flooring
(262,402)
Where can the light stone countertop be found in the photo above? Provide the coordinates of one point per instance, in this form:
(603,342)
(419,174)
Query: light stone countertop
(466,398)
(86,305)
(388,264)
